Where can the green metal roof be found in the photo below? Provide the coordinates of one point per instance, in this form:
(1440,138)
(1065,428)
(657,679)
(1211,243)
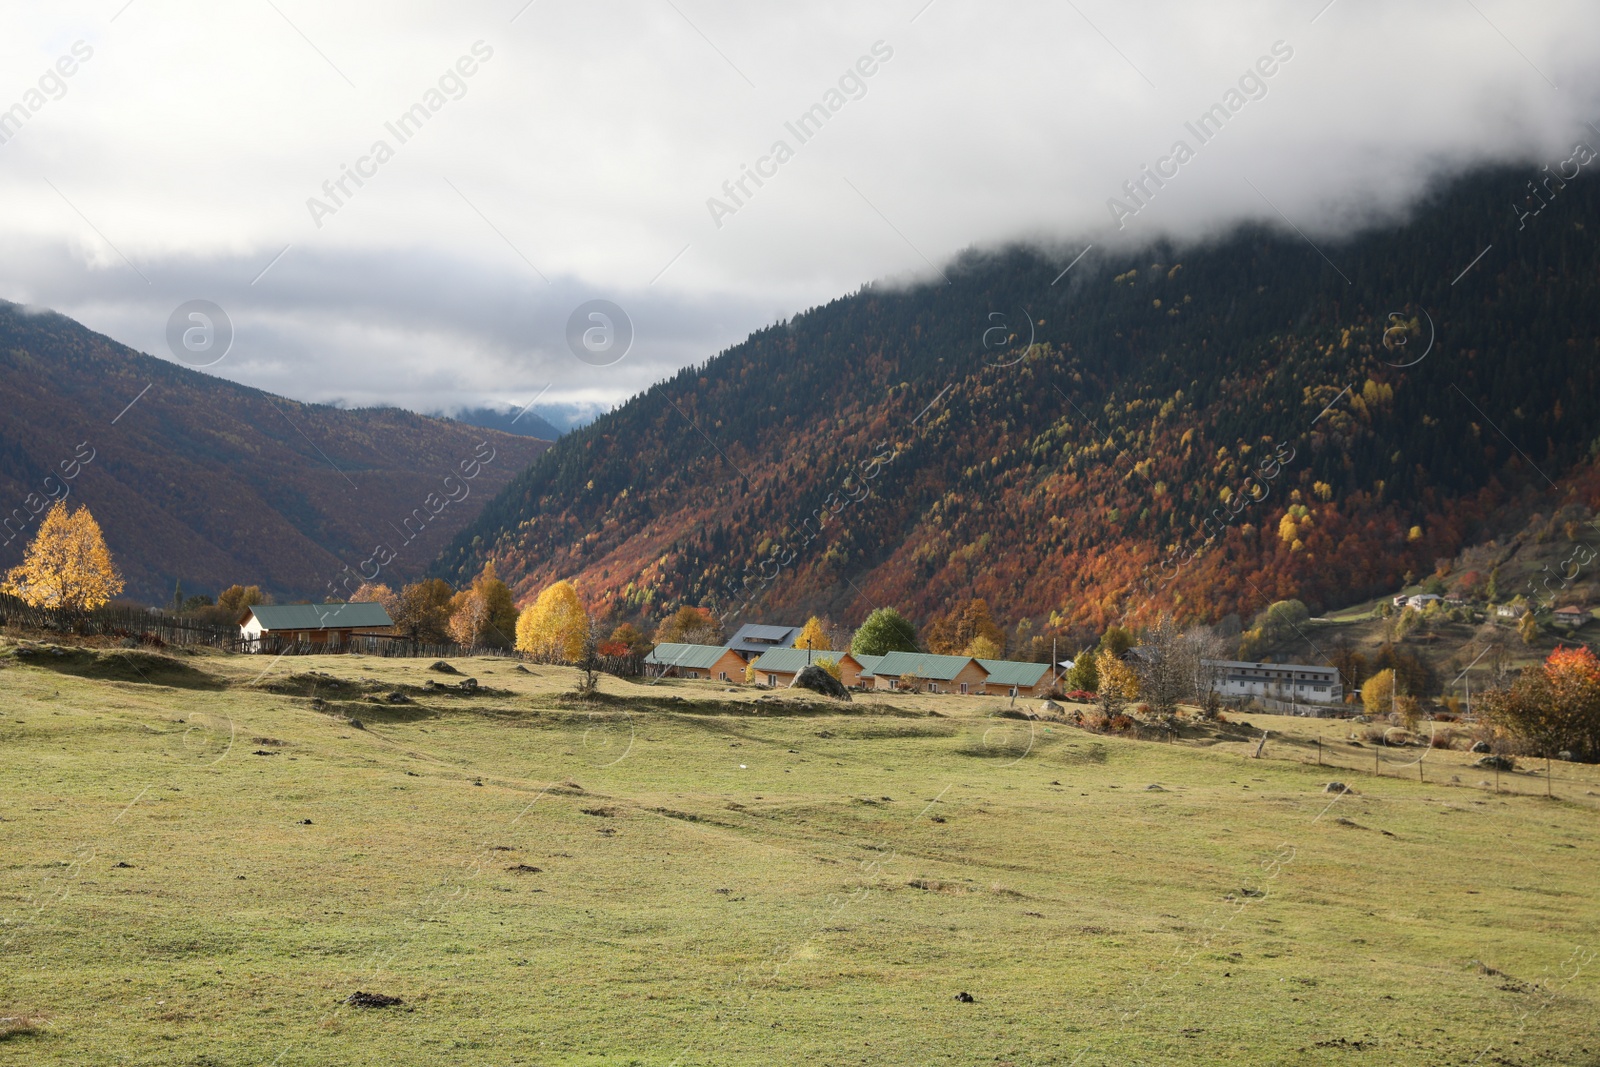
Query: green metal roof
(792,660)
(1013,672)
(922,664)
(691,657)
(868,663)
(320,616)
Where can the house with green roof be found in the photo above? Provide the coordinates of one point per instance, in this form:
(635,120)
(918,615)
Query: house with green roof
(926,670)
(675,660)
(326,626)
(778,666)
(1015,678)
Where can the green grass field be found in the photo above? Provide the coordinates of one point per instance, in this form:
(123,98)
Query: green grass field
(199,865)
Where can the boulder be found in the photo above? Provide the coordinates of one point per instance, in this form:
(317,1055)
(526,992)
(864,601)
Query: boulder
(818,680)
(1337,787)
(442,667)
(1497,763)
(1361,719)
(1050,707)
(469,685)
(1564,755)
(1481,746)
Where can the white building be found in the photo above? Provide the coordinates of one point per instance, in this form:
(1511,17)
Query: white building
(1280,681)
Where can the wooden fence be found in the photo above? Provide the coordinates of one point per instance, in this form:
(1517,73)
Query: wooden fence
(118,620)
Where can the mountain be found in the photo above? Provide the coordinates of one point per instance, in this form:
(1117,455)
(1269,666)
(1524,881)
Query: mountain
(197,479)
(1202,429)
(522,423)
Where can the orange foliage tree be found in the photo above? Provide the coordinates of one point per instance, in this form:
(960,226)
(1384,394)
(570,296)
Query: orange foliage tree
(1553,708)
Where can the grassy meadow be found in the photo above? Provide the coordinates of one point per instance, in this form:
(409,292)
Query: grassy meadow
(203,856)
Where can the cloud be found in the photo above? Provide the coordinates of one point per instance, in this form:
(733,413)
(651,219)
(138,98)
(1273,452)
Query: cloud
(577,160)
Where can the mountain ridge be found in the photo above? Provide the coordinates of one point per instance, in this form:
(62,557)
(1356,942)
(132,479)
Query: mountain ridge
(201,480)
(1063,480)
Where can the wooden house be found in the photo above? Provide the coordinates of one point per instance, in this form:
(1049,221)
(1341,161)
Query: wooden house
(324,627)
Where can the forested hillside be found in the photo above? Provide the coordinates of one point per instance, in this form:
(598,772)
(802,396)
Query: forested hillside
(198,480)
(1205,429)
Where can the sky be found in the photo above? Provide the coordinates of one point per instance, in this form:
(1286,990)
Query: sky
(560,153)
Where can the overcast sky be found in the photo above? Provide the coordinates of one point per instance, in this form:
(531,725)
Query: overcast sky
(577,159)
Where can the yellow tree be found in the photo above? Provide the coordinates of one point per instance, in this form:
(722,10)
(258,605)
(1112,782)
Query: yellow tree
(554,626)
(67,566)
(985,647)
(484,615)
(1117,682)
(814,635)
(1377,693)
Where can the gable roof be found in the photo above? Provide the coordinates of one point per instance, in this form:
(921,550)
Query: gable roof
(758,637)
(694,657)
(1013,672)
(922,665)
(793,660)
(318,616)
(869,664)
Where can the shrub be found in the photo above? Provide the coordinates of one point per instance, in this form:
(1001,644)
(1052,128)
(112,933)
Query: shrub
(1080,696)
(1445,738)
(1120,723)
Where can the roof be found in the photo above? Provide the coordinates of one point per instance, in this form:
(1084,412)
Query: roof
(1572,609)
(1013,672)
(869,664)
(319,616)
(674,654)
(793,660)
(922,665)
(757,637)
(1234,663)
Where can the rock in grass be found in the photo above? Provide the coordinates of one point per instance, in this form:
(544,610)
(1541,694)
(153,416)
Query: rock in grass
(1481,746)
(442,667)
(964,997)
(818,680)
(372,1000)
(1337,787)
(1497,763)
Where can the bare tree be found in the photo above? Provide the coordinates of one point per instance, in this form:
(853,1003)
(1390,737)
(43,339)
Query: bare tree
(1202,650)
(1161,664)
